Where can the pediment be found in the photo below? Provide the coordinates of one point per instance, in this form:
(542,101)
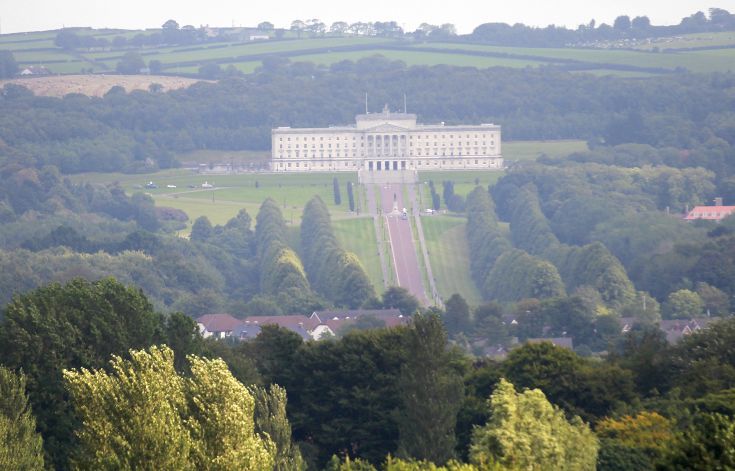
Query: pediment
(387,127)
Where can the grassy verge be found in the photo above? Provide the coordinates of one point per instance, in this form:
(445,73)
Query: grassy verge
(358,236)
(449,257)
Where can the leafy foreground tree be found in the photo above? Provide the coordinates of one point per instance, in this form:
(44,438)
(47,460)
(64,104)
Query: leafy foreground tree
(432,393)
(143,415)
(393,464)
(20,446)
(525,431)
(80,324)
(271,423)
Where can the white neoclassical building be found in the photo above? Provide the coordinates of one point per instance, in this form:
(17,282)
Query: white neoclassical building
(380,143)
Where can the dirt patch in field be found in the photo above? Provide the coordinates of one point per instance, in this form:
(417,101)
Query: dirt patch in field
(96,85)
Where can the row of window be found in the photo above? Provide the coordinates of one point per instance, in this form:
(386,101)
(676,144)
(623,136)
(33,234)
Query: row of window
(354,145)
(419,163)
(387,137)
(444,153)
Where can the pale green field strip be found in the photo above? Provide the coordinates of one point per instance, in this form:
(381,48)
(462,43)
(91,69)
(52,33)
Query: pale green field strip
(41,56)
(694,40)
(254,48)
(31,36)
(531,150)
(218,156)
(71,67)
(232,192)
(25,45)
(617,73)
(358,236)
(696,61)
(218,212)
(449,257)
(418,58)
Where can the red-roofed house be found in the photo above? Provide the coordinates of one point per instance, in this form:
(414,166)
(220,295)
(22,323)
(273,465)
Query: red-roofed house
(217,325)
(718,212)
(306,327)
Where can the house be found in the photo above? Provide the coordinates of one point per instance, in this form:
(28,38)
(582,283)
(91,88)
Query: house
(302,325)
(339,319)
(219,326)
(246,331)
(259,37)
(674,329)
(318,326)
(35,70)
(564,342)
(718,212)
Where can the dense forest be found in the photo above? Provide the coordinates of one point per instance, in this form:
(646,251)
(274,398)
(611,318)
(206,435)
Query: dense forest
(141,131)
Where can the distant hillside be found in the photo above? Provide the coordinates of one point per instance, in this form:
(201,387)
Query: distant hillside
(220,52)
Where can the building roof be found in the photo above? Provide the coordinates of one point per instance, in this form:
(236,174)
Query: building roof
(246,331)
(383,314)
(712,213)
(302,325)
(219,322)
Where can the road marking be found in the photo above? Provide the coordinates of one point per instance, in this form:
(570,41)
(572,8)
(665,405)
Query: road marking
(392,251)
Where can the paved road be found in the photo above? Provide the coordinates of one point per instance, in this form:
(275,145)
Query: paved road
(406,263)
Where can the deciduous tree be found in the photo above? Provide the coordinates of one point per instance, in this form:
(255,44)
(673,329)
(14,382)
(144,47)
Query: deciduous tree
(526,432)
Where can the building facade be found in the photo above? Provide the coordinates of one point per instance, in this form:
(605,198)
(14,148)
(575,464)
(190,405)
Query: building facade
(386,142)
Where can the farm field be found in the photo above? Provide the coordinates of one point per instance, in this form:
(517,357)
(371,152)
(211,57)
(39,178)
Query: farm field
(688,41)
(695,61)
(449,257)
(96,85)
(640,60)
(357,235)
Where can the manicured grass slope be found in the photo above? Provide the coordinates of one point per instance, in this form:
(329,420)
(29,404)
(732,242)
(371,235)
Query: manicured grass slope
(448,253)
(358,236)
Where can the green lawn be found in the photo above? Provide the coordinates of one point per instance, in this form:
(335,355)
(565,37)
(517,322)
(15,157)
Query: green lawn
(233,192)
(237,157)
(449,257)
(531,150)
(464,182)
(358,236)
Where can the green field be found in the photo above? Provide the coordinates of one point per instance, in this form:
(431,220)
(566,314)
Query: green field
(695,61)
(531,150)
(449,257)
(642,61)
(358,236)
(688,41)
(233,192)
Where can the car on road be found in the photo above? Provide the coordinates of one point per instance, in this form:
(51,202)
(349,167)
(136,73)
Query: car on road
(151,185)
(170,186)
